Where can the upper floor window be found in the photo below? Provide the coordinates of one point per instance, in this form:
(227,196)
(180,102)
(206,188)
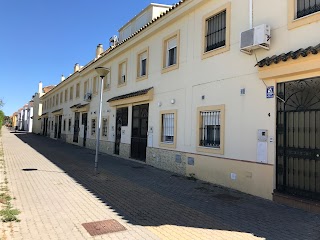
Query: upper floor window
(171,52)
(57,99)
(54,100)
(303,12)
(78,90)
(306,7)
(85,87)
(107,81)
(95,85)
(122,78)
(61,97)
(71,93)
(215,31)
(142,64)
(69,125)
(66,95)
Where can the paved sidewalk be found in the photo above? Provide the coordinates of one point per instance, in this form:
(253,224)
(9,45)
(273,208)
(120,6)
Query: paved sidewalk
(152,204)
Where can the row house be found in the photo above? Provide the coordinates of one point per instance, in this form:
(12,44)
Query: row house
(225,91)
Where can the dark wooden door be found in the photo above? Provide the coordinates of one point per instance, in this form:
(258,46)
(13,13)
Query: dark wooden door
(298,138)
(76,127)
(60,127)
(85,127)
(139,131)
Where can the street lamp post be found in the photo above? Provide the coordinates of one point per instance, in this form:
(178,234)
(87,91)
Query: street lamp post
(102,72)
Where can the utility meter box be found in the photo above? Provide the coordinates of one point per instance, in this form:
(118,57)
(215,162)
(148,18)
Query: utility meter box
(262,135)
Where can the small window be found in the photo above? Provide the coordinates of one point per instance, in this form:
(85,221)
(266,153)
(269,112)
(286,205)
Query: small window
(122,73)
(210,129)
(78,90)
(61,97)
(215,31)
(66,95)
(57,99)
(64,125)
(105,127)
(306,7)
(85,87)
(142,64)
(93,126)
(107,81)
(71,93)
(167,131)
(171,58)
(95,85)
(69,125)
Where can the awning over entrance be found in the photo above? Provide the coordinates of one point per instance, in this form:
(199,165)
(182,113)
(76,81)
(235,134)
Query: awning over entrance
(294,65)
(133,97)
(58,112)
(80,107)
(44,115)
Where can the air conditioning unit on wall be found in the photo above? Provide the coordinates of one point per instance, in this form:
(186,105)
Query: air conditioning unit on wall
(87,97)
(257,37)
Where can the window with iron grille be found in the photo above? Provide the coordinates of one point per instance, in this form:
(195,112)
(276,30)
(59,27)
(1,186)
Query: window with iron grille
(216,31)
(104,127)
(210,129)
(69,125)
(93,126)
(167,131)
(307,7)
(64,125)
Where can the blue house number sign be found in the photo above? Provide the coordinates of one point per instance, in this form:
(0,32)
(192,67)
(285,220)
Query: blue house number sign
(270,92)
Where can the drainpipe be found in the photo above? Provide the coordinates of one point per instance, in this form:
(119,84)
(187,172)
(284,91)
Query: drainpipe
(250,14)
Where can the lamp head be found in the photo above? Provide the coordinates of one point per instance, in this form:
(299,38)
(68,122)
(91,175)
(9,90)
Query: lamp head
(102,71)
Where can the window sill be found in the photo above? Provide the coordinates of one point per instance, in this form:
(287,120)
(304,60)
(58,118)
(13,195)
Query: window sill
(295,23)
(141,78)
(167,145)
(170,68)
(210,150)
(122,85)
(215,51)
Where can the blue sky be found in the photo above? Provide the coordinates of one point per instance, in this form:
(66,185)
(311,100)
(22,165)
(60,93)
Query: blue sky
(40,40)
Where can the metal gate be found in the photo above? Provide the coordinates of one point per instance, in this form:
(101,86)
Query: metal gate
(298,138)
(139,131)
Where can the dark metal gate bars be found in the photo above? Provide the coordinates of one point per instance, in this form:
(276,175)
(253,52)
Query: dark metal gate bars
(298,138)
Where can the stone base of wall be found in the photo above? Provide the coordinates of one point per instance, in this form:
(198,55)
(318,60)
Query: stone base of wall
(63,137)
(125,150)
(106,147)
(173,161)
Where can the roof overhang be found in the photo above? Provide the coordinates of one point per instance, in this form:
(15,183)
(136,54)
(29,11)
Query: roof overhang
(301,64)
(80,107)
(133,97)
(58,112)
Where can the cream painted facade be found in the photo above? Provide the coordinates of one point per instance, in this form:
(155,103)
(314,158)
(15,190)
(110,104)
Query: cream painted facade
(196,81)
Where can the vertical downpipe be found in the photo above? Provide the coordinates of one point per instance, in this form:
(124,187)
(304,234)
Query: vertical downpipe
(250,14)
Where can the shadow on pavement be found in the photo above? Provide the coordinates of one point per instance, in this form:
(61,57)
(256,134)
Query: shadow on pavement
(147,196)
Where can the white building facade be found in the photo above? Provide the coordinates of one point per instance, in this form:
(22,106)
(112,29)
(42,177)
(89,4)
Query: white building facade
(181,96)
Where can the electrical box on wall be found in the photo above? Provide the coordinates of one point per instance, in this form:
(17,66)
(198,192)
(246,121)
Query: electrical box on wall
(262,146)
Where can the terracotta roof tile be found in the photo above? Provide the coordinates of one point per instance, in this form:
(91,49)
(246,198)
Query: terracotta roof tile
(133,94)
(283,57)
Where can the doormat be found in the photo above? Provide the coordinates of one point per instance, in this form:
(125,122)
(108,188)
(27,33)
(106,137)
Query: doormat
(103,227)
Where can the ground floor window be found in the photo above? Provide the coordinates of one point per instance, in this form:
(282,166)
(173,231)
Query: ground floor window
(64,125)
(168,120)
(211,129)
(105,127)
(93,126)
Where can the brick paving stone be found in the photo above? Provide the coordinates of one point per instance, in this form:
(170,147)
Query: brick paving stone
(150,203)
